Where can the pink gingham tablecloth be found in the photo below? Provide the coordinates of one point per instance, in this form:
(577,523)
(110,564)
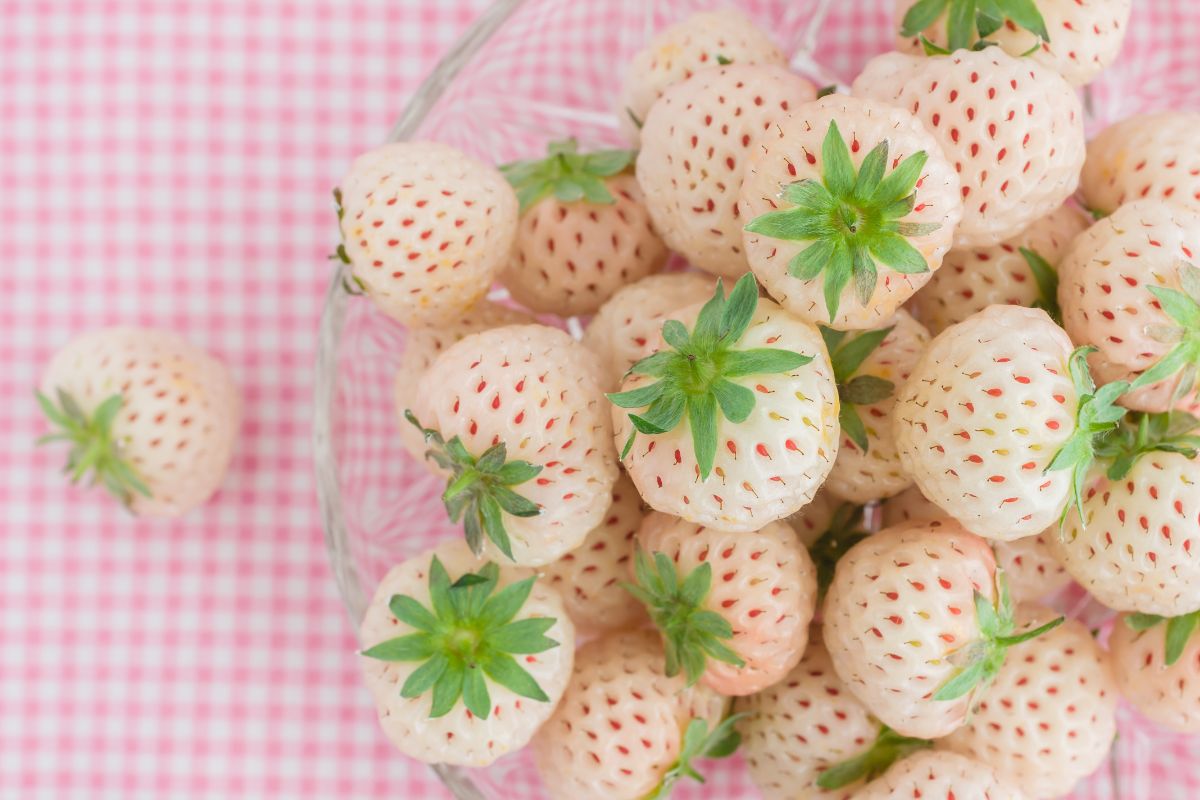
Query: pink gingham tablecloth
(168,163)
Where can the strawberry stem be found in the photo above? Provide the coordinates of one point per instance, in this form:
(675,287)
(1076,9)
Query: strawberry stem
(888,748)
(847,357)
(698,742)
(567,174)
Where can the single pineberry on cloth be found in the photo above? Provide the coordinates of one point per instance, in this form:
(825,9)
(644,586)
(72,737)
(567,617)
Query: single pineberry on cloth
(465,659)
(147,415)
(848,193)
(721,425)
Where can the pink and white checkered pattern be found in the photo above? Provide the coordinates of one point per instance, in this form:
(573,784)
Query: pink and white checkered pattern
(167,162)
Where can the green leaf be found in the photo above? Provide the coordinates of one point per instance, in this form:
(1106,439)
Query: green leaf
(866,389)
(848,357)
(1178,306)
(492,459)
(921,16)
(1047,282)
(639,397)
(887,748)
(961,24)
(901,181)
(524,637)
(475,692)
(605,163)
(514,473)
(1025,13)
(1010,641)
(447,689)
(413,647)
(837,168)
(412,613)
(1140,622)
(504,670)
(736,401)
(702,416)
(799,223)
(512,503)
(493,524)
(439,591)
(852,426)
(762,361)
(504,605)
(865,274)
(723,61)
(1178,358)
(837,275)
(808,194)
(825,91)
(1179,630)
(566,174)
(895,251)
(870,172)
(739,309)
(675,334)
(962,683)
(986,617)
(424,677)
(808,263)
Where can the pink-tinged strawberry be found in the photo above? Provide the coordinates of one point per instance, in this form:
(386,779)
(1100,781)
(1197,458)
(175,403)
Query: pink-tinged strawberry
(1076,38)
(1130,287)
(808,738)
(624,730)
(999,420)
(625,327)
(423,345)
(465,660)
(584,231)
(515,418)
(869,368)
(148,416)
(1143,157)
(702,41)
(589,577)
(425,229)
(939,774)
(696,144)
(917,623)
(1028,563)
(1157,666)
(1012,128)
(1133,542)
(733,608)
(1018,272)
(722,426)
(1049,717)
(848,194)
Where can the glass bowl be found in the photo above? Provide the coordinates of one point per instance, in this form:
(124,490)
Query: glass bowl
(532,71)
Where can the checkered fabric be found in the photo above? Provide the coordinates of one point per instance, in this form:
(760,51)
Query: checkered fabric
(167,163)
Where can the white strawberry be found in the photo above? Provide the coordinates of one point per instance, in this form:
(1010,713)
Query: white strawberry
(917,622)
(149,416)
(696,144)
(724,427)
(1130,286)
(798,731)
(1157,666)
(733,608)
(425,229)
(702,41)
(848,194)
(1146,156)
(439,639)
(938,774)
(1049,717)
(624,730)
(423,345)
(1076,38)
(1017,272)
(589,577)
(998,422)
(515,418)
(624,328)
(1133,543)
(1028,563)
(1012,128)
(584,231)
(870,368)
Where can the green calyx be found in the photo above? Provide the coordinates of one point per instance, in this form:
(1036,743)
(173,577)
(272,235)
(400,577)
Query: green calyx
(861,390)
(567,174)
(1179,631)
(970,22)
(697,373)
(1046,278)
(981,660)
(698,742)
(852,217)
(691,633)
(1139,434)
(477,491)
(93,448)
(1183,359)
(1096,417)
(466,637)
(888,748)
(845,530)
